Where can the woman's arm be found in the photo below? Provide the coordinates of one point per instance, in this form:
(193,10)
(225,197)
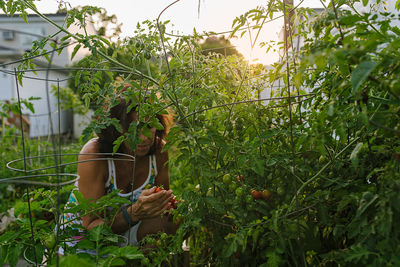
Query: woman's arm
(149,205)
(93,176)
(163,169)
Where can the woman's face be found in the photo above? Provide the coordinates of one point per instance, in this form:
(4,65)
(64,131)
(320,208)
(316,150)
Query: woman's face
(145,143)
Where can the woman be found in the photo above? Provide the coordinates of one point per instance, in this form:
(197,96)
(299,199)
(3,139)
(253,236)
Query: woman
(100,177)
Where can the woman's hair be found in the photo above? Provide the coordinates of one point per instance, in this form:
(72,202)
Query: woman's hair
(108,135)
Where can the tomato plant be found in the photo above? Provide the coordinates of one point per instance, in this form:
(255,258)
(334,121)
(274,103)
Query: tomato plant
(319,159)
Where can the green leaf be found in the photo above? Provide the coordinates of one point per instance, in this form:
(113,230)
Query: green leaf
(365,2)
(95,233)
(157,125)
(361,73)
(349,20)
(354,153)
(331,110)
(131,253)
(356,253)
(14,253)
(117,143)
(232,247)
(396,30)
(366,201)
(146,131)
(273,258)
(25,17)
(8,236)
(77,77)
(298,79)
(258,167)
(75,260)
(215,204)
(76,48)
(3,254)
(112,261)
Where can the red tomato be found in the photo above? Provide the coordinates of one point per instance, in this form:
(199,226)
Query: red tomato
(158,189)
(256,194)
(173,204)
(240,178)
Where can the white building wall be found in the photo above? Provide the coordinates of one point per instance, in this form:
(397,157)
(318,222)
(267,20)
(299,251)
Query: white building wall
(6,91)
(39,121)
(36,25)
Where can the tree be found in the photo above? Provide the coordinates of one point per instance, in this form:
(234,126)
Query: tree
(219,45)
(106,25)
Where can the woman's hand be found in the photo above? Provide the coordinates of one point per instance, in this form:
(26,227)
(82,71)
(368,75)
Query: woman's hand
(150,204)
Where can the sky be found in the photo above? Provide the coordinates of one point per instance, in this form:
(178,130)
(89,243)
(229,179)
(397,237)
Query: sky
(215,15)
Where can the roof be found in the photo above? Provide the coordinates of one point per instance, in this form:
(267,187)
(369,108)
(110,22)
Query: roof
(318,9)
(34,15)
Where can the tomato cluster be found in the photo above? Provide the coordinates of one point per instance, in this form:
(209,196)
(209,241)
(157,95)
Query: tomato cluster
(265,194)
(173,204)
(158,189)
(240,191)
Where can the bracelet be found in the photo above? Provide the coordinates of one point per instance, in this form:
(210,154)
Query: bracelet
(128,218)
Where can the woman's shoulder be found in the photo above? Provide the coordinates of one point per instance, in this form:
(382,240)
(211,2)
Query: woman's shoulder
(91,147)
(89,165)
(91,151)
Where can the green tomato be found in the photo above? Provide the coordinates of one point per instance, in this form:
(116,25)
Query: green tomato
(49,241)
(137,61)
(232,186)
(145,262)
(147,55)
(249,199)
(210,192)
(226,179)
(201,117)
(186,102)
(396,88)
(239,192)
(163,236)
